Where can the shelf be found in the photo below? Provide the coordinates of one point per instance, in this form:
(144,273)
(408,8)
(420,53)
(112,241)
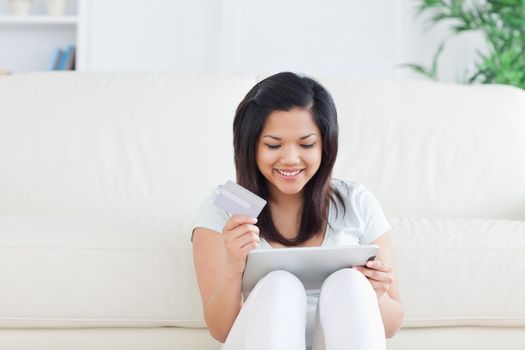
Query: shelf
(29,43)
(38,20)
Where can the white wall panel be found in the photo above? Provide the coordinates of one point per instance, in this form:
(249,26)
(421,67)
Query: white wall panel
(151,35)
(332,37)
(349,38)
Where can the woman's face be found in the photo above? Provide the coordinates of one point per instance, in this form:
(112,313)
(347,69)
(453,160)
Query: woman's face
(289,151)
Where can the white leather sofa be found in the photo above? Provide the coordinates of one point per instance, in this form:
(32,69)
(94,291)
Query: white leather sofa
(101,173)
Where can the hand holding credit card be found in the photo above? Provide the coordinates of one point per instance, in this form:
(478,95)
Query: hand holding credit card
(237,200)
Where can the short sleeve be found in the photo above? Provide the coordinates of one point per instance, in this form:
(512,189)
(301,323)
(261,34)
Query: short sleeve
(209,215)
(373,218)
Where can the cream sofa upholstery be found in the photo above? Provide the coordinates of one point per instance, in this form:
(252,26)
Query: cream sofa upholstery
(101,173)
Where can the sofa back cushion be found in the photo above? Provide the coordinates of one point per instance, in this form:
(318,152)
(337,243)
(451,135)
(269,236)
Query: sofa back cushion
(155,144)
(142,144)
(434,150)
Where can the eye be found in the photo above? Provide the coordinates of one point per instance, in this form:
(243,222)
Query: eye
(272,146)
(308,146)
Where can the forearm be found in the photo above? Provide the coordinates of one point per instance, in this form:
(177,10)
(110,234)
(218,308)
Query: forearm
(391,313)
(223,306)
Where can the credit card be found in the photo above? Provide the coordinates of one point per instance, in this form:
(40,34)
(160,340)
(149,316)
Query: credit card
(237,200)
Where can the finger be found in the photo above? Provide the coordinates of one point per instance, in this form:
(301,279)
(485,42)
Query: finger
(247,239)
(249,247)
(241,247)
(374,274)
(241,230)
(234,244)
(378,285)
(379,265)
(237,220)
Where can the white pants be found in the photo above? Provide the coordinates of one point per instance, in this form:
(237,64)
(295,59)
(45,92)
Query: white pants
(274,315)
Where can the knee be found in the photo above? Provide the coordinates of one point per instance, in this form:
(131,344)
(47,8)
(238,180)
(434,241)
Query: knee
(285,283)
(346,278)
(348,285)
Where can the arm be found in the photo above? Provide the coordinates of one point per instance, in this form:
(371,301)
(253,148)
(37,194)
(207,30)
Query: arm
(219,264)
(381,275)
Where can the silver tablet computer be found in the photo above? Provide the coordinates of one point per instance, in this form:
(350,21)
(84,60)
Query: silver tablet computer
(310,264)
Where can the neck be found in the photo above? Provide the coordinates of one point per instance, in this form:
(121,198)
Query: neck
(286,201)
(286,211)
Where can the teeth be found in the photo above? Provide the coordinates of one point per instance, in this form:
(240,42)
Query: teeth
(288,174)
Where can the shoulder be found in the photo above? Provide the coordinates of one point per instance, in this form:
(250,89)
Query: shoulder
(209,215)
(362,211)
(354,196)
(348,188)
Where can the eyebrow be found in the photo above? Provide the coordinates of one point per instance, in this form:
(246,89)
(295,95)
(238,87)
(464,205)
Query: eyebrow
(279,139)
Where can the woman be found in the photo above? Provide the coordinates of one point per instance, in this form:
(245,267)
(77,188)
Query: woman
(285,146)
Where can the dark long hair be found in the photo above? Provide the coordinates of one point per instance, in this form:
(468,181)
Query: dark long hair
(282,92)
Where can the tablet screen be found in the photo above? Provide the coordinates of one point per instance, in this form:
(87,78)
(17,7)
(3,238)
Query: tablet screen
(312,265)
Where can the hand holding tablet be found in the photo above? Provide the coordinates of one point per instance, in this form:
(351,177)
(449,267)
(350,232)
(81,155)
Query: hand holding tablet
(310,264)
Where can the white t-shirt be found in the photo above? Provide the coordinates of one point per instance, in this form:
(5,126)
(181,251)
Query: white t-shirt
(363,222)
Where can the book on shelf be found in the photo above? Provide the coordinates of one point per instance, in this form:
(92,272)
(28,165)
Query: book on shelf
(64,59)
(57,58)
(71,58)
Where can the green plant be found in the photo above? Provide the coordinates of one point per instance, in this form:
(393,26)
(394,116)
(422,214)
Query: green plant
(502,23)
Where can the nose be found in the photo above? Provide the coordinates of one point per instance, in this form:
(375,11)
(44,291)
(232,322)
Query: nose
(290,156)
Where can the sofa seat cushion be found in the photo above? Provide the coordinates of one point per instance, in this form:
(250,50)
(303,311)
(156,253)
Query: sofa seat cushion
(460,272)
(67,271)
(100,271)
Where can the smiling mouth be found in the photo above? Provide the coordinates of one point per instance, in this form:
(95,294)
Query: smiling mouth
(289,173)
